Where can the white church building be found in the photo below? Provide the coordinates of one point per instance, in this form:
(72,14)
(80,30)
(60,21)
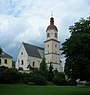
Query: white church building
(31,55)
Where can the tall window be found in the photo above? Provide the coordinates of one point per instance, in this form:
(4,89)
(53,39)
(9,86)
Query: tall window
(5,61)
(22,62)
(48,34)
(47,45)
(21,53)
(33,63)
(56,35)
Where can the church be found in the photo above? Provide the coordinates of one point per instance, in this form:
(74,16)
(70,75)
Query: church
(31,55)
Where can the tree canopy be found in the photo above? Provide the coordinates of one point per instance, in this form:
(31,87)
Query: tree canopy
(77,50)
(0,50)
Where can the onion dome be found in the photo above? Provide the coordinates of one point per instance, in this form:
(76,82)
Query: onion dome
(51,26)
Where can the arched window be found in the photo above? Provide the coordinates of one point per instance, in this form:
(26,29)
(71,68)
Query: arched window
(22,62)
(48,34)
(5,61)
(21,53)
(33,63)
(56,35)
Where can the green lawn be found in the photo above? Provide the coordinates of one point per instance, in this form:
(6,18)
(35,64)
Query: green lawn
(6,89)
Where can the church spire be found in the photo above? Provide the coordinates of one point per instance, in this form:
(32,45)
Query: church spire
(51,26)
(51,19)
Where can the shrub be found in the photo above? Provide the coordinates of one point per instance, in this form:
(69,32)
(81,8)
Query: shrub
(59,79)
(87,84)
(34,77)
(72,82)
(10,75)
(3,68)
(26,78)
(39,80)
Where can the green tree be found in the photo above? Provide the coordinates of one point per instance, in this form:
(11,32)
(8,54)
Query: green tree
(59,79)
(50,72)
(10,75)
(0,50)
(43,68)
(77,50)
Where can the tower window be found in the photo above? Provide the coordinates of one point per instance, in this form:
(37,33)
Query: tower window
(56,45)
(56,35)
(47,45)
(5,61)
(48,34)
(48,51)
(33,63)
(22,62)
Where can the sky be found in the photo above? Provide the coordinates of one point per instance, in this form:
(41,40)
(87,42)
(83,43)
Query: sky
(27,20)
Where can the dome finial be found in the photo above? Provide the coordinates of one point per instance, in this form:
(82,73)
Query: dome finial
(51,19)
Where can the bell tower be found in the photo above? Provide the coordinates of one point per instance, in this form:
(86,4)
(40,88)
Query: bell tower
(52,46)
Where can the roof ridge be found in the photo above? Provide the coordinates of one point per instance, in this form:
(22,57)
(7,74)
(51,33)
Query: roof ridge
(4,54)
(33,45)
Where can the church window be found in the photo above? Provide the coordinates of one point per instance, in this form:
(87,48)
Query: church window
(48,34)
(56,35)
(21,53)
(5,61)
(22,62)
(33,63)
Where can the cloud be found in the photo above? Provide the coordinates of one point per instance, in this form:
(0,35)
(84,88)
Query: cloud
(25,36)
(27,20)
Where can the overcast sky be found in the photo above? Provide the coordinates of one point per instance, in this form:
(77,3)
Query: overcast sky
(27,20)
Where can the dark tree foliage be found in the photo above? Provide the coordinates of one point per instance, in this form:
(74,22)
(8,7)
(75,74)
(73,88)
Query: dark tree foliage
(59,79)
(43,65)
(0,50)
(77,50)
(50,72)
(9,76)
(35,77)
(44,69)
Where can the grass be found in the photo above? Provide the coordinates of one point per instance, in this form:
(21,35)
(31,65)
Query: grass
(14,89)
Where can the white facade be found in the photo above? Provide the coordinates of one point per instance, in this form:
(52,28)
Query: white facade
(22,55)
(23,59)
